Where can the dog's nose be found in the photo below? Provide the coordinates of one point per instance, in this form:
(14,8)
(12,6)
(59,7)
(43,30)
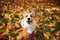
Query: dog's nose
(28,18)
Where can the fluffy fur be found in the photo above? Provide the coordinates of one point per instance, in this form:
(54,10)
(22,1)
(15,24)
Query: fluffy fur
(29,24)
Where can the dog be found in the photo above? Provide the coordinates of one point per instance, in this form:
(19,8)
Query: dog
(28,21)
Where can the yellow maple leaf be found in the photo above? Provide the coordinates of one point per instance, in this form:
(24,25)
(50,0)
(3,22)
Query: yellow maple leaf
(47,35)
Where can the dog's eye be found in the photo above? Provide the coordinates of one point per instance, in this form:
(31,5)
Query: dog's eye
(26,15)
(30,15)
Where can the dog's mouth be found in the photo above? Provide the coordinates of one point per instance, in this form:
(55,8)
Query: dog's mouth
(29,22)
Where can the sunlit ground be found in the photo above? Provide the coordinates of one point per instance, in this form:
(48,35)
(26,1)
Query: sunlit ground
(47,19)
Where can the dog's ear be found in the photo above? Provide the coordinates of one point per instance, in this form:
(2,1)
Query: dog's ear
(23,12)
(33,12)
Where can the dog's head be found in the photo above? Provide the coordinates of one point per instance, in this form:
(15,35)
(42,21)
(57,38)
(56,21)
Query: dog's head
(28,17)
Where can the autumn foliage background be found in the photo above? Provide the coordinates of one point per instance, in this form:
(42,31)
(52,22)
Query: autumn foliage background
(47,18)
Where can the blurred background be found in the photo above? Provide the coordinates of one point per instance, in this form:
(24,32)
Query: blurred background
(47,19)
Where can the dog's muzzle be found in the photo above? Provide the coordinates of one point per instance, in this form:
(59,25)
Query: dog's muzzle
(29,21)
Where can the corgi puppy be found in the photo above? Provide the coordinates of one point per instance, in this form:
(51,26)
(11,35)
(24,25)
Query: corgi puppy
(28,21)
